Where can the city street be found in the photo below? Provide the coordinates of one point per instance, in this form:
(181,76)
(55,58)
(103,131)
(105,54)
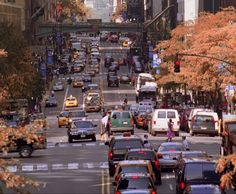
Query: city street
(82,167)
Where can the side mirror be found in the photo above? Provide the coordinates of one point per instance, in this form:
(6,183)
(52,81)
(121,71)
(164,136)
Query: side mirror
(107,143)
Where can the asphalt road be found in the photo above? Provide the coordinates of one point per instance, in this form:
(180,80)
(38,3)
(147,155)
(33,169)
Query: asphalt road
(82,167)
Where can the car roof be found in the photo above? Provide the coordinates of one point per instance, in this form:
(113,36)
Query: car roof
(140,149)
(203,186)
(133,162)
(136,191)
(171,143)
(119,137)
(199,160)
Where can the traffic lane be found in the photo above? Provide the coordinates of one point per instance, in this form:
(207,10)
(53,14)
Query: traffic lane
(73,182)
(85,155)
(60,100)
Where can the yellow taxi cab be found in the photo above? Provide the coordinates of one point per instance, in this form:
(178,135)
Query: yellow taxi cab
(134,166)
(78,83)
(71,102)
(63,119)
(125,43)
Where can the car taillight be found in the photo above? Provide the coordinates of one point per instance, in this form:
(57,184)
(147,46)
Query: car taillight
(154,122)
(132,122)
(159,156)
(153,192)
(110,155)
(157,163)
(117,178)
(182,185)
(110,123)
(222,186)
(118,192)
(41,138)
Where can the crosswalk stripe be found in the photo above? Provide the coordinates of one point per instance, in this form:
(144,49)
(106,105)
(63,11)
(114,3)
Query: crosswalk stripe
(27,168)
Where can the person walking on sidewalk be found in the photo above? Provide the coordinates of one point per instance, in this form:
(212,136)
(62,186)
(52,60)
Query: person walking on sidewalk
(170,133)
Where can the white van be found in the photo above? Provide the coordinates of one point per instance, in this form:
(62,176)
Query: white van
(160,119)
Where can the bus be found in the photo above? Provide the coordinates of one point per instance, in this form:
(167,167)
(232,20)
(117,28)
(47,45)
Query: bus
(141,80)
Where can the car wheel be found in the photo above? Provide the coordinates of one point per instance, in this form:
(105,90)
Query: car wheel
(59,126)
(132,132)
(94,138)
(70,139)
(25,151)
(177,133)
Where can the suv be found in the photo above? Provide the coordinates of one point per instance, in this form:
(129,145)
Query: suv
(194,171)
(121,121)
(146,154)
(118,147)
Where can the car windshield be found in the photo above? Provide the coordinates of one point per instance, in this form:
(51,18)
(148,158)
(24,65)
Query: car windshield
(171,148)
(194,154)
(112,78)
(133,169)
(141,155)
(135,183)
(201,171)
(77,114)
(128,143)
(206,190)
(64,114)
(82,124)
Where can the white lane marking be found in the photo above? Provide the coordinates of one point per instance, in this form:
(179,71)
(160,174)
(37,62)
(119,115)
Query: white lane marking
(90,144)
(171,187)
(73,166)
(57,167)
(101,144)
(66,93)
(27,168)
(76,145)
(166,176)
(44,185)
(88,165)
(103,164)
(12,168)
(42,167)
(108,182)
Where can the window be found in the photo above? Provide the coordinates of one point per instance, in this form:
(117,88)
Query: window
(77,114)
(193,172)
(131,169)
(128,143)
(82,124)
(161,114)
(232,128)
(135,183)
(171,115)
(141,155)
(208,171)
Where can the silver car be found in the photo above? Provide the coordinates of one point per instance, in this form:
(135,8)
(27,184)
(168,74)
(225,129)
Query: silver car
(58,86)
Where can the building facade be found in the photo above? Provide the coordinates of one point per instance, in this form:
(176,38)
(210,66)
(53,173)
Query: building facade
(135,10)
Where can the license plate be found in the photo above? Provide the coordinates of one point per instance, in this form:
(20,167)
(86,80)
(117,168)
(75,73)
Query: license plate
(83,135)
(203,128)
(166,157)
(125,123)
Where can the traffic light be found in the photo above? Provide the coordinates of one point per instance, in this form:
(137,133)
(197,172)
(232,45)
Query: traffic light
(177,66)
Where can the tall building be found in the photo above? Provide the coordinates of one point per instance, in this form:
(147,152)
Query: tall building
(135,10)
(13,11)
(100,9)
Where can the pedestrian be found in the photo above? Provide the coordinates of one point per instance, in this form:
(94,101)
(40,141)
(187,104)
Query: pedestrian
(185,143)
(52,93)
(146,142)
(105,126)
(170,132)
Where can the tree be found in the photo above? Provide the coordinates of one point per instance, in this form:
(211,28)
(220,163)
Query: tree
(210,35)
(227,166)
(73,10)
(18,77)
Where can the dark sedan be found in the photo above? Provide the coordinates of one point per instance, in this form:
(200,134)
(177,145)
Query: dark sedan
(87,78)
(113,81)
(79,129)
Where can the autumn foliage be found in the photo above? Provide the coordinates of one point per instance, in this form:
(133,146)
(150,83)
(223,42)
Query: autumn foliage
(212,35)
